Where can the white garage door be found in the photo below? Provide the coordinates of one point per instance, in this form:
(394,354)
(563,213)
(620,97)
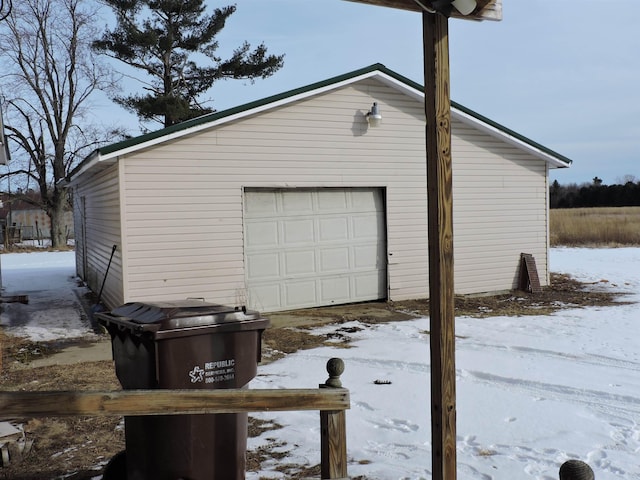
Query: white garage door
(314,247)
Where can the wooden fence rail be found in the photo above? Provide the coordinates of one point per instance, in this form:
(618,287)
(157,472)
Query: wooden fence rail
(168,402)
(331,400)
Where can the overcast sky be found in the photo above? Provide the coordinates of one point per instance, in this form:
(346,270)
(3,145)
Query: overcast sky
(564,73)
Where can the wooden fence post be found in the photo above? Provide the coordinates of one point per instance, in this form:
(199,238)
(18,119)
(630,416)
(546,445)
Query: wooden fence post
(333,430)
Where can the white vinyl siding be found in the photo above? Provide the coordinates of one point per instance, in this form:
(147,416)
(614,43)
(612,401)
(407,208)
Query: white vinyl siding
(182,199)
(500,211)
(102,229)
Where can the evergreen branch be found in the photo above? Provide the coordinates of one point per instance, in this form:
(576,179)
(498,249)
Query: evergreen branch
(159,38)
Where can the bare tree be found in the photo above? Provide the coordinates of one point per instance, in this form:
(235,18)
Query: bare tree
(627,178)
(5,9)
(48,74)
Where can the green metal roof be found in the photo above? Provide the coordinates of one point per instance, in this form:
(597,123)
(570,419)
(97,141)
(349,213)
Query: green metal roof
(377,67)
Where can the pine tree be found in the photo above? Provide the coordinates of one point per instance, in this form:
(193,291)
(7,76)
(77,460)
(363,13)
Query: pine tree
(161,38)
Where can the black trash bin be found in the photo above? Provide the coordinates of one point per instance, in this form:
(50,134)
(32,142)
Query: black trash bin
(186,344)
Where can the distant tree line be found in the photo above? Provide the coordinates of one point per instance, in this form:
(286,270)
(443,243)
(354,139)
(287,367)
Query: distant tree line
(595,194)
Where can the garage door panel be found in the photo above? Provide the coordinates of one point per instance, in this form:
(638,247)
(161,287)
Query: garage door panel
(335,290)
(366,283)
(333,229)
(365,199)
(366,257)
(301,262)
(298,232)
(332,201)
(366,227)
(300,294)
(319,246)
(334,260)
(262,234)
(297,202)
(261,205)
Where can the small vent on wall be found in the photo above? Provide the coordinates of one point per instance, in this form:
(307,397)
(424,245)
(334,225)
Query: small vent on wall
(529,281)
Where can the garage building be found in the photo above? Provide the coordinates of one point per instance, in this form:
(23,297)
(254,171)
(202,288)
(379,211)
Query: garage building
(296,201)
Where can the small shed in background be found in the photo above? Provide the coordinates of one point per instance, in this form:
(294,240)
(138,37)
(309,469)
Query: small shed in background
(21,220)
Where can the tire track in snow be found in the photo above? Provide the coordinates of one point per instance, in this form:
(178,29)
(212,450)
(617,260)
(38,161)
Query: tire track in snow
(599,400)
(588,359)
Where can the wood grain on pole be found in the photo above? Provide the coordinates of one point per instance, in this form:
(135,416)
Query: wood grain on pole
(440,226)
(333,444)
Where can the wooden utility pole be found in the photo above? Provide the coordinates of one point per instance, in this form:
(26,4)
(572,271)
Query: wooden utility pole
(440,217)
(440,223)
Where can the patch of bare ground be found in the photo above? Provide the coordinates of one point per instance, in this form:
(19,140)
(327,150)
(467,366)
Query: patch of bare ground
(564,292)
(78,448)
(278,343)
(80,445)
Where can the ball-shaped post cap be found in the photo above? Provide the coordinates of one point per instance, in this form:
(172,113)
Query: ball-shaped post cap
(335,367)
(576,470)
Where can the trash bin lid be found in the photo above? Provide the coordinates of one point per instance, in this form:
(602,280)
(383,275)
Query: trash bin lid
(178,314)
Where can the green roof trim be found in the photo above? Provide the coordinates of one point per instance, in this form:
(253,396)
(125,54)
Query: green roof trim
(132,142)
(480,118)
(511,133)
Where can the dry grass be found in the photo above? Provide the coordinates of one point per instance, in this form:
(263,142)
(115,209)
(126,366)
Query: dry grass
(590,227)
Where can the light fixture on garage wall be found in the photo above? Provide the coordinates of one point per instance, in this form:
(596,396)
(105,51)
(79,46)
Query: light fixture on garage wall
(373,116)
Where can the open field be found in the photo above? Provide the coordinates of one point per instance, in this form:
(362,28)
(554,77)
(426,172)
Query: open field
(604,227)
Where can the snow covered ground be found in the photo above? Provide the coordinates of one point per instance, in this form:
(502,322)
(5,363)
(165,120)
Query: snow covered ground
(532,391)
(54,310)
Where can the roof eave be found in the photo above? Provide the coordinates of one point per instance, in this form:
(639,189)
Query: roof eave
(89,163)
(214,119)
(554,159)
(224,117)
(415,90)
(379,71)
